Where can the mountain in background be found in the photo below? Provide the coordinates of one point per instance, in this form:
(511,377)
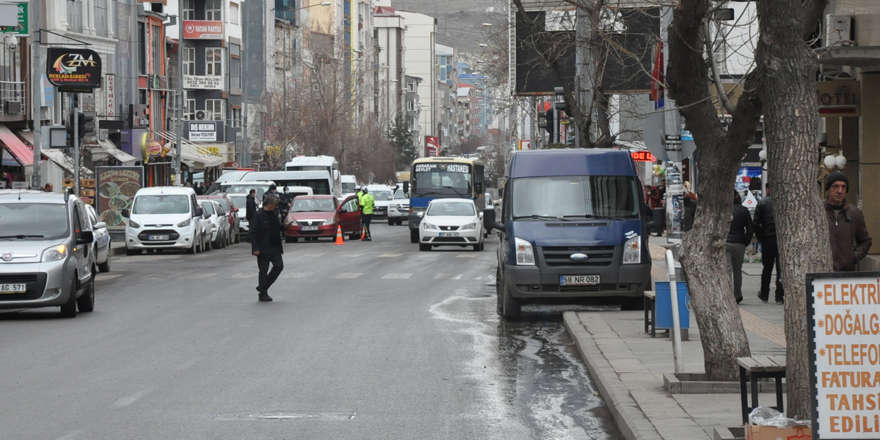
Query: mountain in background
(459,22)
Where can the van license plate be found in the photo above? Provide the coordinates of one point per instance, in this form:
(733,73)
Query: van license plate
(159,238)
(13,288)
(578,280)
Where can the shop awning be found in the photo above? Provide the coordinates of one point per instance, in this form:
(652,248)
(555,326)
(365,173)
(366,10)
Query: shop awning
(191,155)
(123,157)
(19,150)
(57,156)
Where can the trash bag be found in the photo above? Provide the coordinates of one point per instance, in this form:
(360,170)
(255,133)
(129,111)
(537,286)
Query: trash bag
(767,416)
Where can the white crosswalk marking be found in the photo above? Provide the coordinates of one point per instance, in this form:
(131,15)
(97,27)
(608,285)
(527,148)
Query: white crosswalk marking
(292,275)
(397,276)
(201,276)
(448,276)
(466,256)
(389,255)
(458,277)
(347,275)
(103,277)
(245,275)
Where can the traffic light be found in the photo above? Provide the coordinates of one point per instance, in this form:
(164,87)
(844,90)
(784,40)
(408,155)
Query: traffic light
(546,121)
(86,125)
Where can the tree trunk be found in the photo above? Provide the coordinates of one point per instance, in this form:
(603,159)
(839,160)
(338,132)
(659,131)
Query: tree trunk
(790,121)
(703,256)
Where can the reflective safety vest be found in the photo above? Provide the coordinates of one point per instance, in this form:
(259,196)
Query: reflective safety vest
(360,196)
(368,201)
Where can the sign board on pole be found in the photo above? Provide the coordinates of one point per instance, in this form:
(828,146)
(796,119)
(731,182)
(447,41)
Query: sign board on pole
(525,145)
(14,18)
(843,314)
(74,70)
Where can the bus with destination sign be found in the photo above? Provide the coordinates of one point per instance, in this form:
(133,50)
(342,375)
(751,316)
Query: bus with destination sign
(443,177)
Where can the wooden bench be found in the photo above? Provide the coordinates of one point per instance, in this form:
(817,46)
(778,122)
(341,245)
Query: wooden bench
(759,367)
(651,313)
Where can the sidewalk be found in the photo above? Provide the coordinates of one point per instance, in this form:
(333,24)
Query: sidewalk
(628,366)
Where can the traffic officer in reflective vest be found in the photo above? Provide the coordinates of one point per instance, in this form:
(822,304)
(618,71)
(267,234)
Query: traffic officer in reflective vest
(367,204)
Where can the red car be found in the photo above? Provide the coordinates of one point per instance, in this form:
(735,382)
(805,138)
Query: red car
(312,217)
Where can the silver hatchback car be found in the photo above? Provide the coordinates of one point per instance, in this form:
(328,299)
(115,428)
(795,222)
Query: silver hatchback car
(46,253)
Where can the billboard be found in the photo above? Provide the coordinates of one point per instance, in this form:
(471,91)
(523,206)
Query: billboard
(116,189)
(73,70)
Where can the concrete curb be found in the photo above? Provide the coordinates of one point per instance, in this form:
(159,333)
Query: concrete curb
(116,251)
(631,421)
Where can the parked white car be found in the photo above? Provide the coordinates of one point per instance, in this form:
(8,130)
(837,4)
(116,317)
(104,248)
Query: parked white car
(382,194)
(240,201)
(398,210)
(102,240)
(219,223)
(451,222)
(164,217)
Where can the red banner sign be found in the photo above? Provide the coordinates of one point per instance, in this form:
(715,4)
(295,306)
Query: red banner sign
(202,30)
(433,147)
(643,156)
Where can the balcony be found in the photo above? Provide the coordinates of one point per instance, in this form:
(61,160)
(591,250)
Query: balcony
(12,101)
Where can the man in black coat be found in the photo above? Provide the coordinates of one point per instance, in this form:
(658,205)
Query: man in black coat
(266,244)
(739,236)
(765,229)
(251,208)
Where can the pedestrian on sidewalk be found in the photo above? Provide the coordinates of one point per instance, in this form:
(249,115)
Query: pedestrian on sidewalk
(265,233)
(738,238)
(368,203)
(850,241)
(765,230)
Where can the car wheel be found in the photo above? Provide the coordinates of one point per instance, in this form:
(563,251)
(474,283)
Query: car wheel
(510,306)
(295,239)
(230,240)
(68,310)
(105,266)
(86,303)
(478,247)
(238,237)
(193,250)
(131,252)
(390,222)
(424,247)
(413,235)
(288,240)
(354,236)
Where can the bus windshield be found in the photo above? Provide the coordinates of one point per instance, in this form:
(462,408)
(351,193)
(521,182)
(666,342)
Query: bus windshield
(442,179)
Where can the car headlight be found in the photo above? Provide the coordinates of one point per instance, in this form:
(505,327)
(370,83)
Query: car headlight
(184,223)
(420,214)
(134,224)
(55,253)
(427,225)
(330,221)
(469,226)
(632,250)
(525,256)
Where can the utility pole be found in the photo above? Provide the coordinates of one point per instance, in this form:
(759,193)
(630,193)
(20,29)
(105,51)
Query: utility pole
(244,91)
(178,172)
(74,116)
(36,91)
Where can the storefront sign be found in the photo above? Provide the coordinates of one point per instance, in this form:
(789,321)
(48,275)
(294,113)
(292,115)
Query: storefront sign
(642,156)
(433,146)
(116,189)
(843,310)
(838,98)
(21,28)
(202,30)
(202,131)
(525,145)
(74,70)
(111,95)
(203,82)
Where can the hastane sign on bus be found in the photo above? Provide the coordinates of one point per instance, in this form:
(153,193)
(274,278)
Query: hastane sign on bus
(843,310)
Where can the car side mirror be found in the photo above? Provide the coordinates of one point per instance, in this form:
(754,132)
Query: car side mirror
(126,213)
(100,225)
(406,187)
(199,211)
(85,237)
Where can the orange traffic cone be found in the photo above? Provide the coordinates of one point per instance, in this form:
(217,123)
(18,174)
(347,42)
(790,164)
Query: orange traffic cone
(339,239)
(363,232)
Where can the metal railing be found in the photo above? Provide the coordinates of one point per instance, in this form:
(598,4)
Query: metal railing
(13,92)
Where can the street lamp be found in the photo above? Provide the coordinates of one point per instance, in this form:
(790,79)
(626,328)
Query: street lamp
(833,161)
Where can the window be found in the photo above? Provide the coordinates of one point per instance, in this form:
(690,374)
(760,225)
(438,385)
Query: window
(75,15)
(189,61)
(189,112)
(155,49)
(189,10)
(411,87)
(214,61)
(233,13)
(102,20)
(235,120)
(234,69)
(216,109)
(214,10)
(142,49)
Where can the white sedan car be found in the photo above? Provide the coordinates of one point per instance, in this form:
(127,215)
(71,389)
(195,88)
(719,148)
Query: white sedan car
(451,222)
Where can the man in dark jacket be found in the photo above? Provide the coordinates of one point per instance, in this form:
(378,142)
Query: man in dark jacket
(265,234)
(765,229)
(738,238)
(850,241)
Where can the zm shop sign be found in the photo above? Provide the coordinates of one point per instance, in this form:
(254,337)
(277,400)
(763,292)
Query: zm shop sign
(74,70)
(843,310)
(202,30)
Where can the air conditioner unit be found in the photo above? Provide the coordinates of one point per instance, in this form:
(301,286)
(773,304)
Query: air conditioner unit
(201,115)
(838,30)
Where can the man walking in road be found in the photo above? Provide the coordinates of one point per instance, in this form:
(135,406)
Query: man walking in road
(850,241)
(765,229)
(265,234)
(367,202)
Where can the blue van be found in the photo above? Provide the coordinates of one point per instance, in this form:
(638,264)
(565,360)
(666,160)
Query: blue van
(573,226)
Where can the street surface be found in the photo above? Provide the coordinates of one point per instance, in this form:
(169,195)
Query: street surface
(367,340)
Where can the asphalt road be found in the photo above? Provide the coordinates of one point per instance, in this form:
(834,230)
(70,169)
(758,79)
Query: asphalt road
(366,340)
